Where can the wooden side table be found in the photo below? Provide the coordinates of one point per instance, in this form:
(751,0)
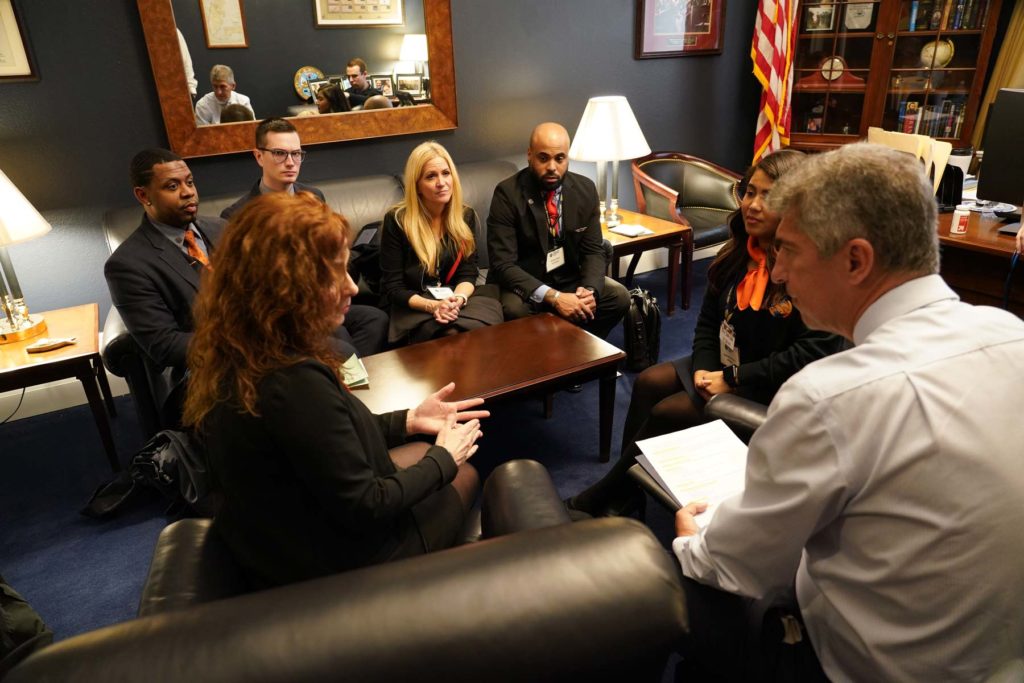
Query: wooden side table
(665,234)
(20,369)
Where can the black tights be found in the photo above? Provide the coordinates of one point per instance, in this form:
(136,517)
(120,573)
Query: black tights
(659,404)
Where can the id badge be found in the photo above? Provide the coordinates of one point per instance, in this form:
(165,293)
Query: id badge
(440,293)
(728,353)
(556,258)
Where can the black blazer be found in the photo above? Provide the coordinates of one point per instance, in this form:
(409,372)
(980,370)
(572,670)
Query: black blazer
(153,283)
(402,274)
(255,192)
(308,487)
(518,238)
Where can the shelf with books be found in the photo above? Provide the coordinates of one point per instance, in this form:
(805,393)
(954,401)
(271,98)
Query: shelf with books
(943,15)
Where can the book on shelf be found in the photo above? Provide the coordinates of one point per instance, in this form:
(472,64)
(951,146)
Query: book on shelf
(912,19)
(958,14)
(936,18)
(908,117)
(703,463)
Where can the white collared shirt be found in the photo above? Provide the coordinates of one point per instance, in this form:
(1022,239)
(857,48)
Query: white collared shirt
(889,480)
(209,108)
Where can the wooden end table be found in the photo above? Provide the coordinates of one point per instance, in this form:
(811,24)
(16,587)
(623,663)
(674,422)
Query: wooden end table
(501,361)
(20,369)
(665,234)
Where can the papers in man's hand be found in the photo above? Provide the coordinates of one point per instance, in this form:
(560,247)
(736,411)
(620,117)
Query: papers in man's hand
(630,230)
(354,374)
(703,463)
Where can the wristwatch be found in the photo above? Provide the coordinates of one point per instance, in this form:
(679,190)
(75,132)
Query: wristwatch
(731,375)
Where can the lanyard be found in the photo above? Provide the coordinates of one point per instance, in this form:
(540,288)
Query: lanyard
(451,273)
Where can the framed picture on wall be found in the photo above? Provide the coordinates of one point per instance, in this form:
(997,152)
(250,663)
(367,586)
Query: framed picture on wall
(223,23)
(383,83)
(410,83)
(821,17)
(354,13)
(16,63)
(678,28)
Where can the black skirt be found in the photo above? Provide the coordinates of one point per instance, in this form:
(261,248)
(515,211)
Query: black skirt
(483,308)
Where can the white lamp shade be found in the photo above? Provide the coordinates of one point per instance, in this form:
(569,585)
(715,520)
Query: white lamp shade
(19,220)
(608,131)
(414,48)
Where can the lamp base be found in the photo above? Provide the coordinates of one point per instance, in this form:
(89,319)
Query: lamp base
(611,216)
(34,326)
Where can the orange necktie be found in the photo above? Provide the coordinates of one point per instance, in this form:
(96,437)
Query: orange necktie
(750,291)
(194,251)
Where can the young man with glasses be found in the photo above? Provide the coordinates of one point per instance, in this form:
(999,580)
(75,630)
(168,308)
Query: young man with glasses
(279,153)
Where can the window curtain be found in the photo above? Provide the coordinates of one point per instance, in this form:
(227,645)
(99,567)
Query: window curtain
(1008,71)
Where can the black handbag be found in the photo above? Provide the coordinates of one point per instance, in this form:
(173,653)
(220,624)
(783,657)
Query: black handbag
(642,330)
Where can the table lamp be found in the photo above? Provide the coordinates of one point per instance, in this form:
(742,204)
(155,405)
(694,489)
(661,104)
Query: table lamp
(19,222)
(607,132)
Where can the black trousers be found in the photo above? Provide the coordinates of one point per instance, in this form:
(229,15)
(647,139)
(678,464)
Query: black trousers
(365,329)
(611,306)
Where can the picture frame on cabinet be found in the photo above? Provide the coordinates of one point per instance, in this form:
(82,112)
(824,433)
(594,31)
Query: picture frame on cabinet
(16,62)
(678,28)
(819,17)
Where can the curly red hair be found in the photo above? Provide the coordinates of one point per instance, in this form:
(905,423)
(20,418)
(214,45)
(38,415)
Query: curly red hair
(267,302)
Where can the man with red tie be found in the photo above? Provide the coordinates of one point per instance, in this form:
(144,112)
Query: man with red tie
(544,240)
(155,273)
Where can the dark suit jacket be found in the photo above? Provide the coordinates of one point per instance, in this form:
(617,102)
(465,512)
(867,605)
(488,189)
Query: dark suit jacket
(518,238)
(153,283)
(309,488)
(255,192)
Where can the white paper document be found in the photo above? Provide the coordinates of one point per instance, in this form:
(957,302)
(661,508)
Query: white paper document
(630,230)
(702,463)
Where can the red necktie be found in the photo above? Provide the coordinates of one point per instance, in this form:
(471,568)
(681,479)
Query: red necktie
(194,251)
(552,207)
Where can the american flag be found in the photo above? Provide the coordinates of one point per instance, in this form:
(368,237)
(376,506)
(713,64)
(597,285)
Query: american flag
(772,52)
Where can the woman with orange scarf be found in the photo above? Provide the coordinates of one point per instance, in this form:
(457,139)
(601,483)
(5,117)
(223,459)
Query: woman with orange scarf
(749,340)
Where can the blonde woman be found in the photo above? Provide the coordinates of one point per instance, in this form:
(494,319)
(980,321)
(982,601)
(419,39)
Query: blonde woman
(428,255)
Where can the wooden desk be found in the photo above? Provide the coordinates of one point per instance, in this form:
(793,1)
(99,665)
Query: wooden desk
(20,369)
(535,355)
(976,264)
(666,234)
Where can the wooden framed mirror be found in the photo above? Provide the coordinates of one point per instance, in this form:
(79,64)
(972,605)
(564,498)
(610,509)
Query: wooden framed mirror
(190,140)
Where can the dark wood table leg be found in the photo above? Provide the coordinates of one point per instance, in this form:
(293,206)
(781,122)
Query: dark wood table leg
(632,269)
(674,253)
(606,401)
(101,377)
(87,376)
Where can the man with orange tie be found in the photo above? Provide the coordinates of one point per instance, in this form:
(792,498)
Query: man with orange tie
(544,240)
(154,275)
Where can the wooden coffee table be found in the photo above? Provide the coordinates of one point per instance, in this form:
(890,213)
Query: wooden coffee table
(665,234)
(536,355)
(19,369)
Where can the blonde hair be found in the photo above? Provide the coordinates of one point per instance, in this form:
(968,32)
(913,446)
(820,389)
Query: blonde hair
(414,219)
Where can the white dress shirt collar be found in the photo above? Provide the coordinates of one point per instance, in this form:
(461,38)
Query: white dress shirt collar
(910,295)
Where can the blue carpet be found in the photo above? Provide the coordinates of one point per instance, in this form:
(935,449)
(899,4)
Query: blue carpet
(81,574)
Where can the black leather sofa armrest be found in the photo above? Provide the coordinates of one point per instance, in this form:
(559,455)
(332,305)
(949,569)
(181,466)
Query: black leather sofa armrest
(518,496)
(119,348)
(650,485)
(741,414)
(595,600)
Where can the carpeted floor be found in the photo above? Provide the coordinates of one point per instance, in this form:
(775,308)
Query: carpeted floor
(81,574)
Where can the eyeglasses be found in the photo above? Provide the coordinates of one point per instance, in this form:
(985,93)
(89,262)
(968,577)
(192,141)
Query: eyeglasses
(279,155)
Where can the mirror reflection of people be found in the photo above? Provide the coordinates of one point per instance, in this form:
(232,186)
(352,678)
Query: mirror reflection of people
(211,105)
(377,102)
(235,113)
(330,99)
(359,82)
(186,61)
(280,155)
(312,482)
(749,339)
(428,254)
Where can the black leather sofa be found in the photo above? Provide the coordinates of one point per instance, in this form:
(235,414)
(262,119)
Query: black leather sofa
(540,600)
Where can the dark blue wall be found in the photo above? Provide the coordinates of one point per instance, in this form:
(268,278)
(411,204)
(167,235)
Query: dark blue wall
(66,140)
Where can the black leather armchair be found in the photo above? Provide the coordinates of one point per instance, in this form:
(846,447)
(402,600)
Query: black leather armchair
(548,601)
(691,191)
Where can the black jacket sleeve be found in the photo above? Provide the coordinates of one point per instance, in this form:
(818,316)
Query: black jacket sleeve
(503,223)
(706,351)
(395,252)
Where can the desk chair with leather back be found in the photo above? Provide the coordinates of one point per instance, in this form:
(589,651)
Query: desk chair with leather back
(688,190)
(540,599)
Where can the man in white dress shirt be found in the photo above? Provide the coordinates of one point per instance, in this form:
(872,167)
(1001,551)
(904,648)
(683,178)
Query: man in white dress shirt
(210,105)
(888,480)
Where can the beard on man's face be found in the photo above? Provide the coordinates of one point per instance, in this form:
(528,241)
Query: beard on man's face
(549,181)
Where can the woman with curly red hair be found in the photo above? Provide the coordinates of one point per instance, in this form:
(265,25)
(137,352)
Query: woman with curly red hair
(309,486)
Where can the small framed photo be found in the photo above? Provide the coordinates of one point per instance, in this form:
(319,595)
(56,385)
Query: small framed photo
(356,13)
(16,62)
(410,83)
(820,17)
(314,87)
(678,28)
(383,83)
(224,23)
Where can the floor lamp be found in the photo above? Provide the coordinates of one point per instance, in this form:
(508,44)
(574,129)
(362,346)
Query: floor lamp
(607,132)
(19,222)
